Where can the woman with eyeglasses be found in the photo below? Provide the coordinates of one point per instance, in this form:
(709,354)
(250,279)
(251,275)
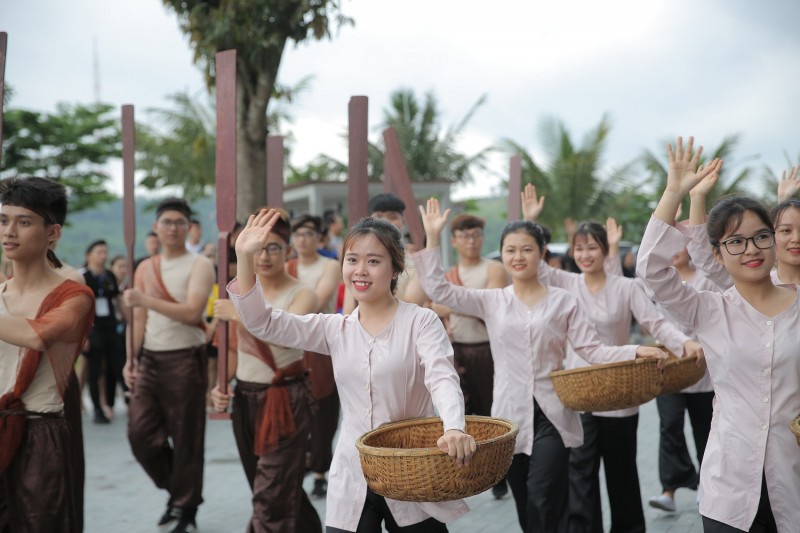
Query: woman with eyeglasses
(271,402)
(750,476)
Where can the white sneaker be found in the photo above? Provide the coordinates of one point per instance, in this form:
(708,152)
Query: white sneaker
(663,502)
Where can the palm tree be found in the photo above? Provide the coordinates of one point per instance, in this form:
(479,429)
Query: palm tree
(430,151)
(572,177)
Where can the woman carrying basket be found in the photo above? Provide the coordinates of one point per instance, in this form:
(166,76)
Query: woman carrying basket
(529,325)
(750,476)
(391,361)
(609,301)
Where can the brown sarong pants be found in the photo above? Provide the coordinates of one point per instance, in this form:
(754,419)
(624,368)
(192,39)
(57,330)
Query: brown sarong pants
(280,505)
(72,414)
(37,486)
(169,402)
(476,370)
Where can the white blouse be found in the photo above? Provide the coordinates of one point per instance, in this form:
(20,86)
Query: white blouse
(528,343)
(611,310)
(401,373)
(754,362)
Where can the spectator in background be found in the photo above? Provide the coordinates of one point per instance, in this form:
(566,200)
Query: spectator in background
(335,225)
(194,241)
(151,247)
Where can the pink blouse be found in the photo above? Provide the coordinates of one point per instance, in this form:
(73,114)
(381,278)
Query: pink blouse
(527,344)
(754,362)
(610,310)
(401,373)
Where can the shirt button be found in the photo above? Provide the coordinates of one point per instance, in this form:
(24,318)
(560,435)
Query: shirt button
(765,399)
(768,345)
(764,427)
(366,387)
(769,322)
(765,372)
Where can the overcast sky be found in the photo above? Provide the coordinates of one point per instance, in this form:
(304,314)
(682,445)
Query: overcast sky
(659,68)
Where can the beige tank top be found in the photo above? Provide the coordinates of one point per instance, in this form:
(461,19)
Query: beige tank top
(162,333)
(42,395)
(311,274)
(251,368)
(467,329)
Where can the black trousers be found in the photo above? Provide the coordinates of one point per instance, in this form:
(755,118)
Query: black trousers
(539,481)
(376,511)
(764,521)
(324,423)
(105,359)
(675,467)
(612,440)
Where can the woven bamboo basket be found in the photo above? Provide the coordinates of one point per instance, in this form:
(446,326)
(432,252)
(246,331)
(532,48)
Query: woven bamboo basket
(401,460)
(795,425)
(680,373)
(608,387)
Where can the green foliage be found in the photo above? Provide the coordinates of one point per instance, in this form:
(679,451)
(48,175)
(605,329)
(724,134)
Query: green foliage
(572,179)
(430,151)
(181,153)
(71,145)
(257,29)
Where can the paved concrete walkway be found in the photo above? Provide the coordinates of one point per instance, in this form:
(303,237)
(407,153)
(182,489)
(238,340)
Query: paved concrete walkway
(121,498)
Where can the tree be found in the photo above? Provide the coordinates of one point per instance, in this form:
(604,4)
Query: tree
(259,30)
(572,177)
(429,150)
(71,145)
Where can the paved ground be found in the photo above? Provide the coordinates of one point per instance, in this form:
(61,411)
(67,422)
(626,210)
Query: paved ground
(120,498)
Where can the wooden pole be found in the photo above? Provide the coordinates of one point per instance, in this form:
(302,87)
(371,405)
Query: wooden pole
(514,188)
(357,176)
(3,44)
(226,197)
(129,201)
(275,171)
(396,172)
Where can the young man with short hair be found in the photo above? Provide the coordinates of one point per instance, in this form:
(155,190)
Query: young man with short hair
(44,321)
(167,370)
(194,243)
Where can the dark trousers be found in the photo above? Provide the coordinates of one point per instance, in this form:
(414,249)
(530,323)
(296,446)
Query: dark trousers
(476,372)
(106,360)
(280,505)
(376,512)
(612,440)
(675,467)
(539,481)
(72,414)
(764,521)
(169,402)
(37,485)
(323,428)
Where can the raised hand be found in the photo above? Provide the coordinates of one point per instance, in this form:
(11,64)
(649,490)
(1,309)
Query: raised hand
(614,232)
(255,233)
(683,173)
(434,221)
(789,184)
(704,186)
(531,205)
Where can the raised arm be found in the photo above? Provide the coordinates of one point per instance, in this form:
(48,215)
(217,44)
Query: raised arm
(430,273)
(613,262)
(307,332)
(789,183)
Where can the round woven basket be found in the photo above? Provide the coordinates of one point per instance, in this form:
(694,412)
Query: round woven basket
(608,387)
(680,373)
(795,425)
(401,460)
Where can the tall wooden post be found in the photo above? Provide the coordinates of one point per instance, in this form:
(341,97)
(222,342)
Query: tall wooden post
(129,201)
(514,188)
(3,44)
(395,170)
(357,175)
(226,197)
(275,171)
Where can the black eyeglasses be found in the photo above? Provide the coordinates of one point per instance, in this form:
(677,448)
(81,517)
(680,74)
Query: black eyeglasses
(738,245)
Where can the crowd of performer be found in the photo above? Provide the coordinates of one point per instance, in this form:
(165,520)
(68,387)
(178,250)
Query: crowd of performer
(332,334)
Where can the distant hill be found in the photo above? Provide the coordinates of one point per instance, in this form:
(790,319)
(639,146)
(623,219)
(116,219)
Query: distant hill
(105,222)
